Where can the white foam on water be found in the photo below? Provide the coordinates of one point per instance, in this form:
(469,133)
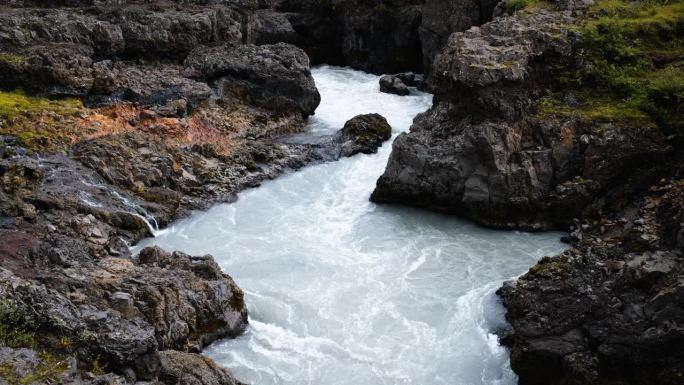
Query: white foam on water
(344,291)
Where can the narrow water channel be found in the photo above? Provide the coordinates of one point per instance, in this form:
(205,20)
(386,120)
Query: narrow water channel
(344,291)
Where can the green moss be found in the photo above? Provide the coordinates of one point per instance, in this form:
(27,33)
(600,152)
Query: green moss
(17,329)
(12,58)
(33,120)
(16,102)
(85,337)
(48,371)
(634,65)
(558,266)
(98,368)
(591,109)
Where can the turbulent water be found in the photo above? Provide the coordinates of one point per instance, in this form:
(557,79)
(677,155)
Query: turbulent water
(344,291)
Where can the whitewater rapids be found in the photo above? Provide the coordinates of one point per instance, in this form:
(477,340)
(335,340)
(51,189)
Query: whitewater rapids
(344,291)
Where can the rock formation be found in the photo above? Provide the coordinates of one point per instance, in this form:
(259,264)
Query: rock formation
(363,134)
(525,132)
(483,153)
(611,307)
(376,36)
(393,85)
(130,114)
(440,18)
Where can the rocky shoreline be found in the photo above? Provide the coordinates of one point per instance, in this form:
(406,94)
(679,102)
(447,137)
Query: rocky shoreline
(533,127)
(131,115)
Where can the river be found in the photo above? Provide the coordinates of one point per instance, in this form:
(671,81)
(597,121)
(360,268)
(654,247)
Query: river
(344,291)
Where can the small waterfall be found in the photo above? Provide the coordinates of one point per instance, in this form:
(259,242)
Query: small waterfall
(149,219)
(151,224)
(140,212)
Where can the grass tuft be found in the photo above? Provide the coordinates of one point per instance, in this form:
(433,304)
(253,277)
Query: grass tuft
(17,329)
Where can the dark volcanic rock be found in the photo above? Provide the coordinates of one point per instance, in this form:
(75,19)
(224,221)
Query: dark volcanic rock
(393,85)
(363,134)
(441,18)
(154,31)
(277,76)
(155,139)
(192,369)
(481,152)
(603,312)
(610,309)
(123,310)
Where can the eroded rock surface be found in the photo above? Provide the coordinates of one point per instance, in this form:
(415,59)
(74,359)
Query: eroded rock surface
(610,308)
(480,151)
(176,110)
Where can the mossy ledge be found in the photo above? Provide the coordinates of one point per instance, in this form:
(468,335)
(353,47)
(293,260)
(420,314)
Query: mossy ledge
(633,68)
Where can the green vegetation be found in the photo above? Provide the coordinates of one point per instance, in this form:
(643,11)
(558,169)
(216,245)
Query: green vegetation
(12,58)
(558,266)
(15,103)
(33,120)
(97,368)
(635,65)
(17,329)
(48,371)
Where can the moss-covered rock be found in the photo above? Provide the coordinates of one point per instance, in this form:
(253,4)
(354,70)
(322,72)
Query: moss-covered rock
(363,134)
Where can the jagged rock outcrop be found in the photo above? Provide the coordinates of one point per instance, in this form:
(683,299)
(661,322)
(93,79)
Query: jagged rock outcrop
(608,310)
(441,18)
(120,311)
(276,76)
(363,134)
(481,151)
(611,309)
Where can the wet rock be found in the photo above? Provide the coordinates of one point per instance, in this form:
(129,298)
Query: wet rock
(363,134)
(192,369)
(210,307)
(165,301)
(393,85)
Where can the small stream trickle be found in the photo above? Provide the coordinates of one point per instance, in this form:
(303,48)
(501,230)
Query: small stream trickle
(344,291)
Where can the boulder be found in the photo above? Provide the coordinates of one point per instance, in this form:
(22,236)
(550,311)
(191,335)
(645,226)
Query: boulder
(392,84)
(363,134)
(192,369)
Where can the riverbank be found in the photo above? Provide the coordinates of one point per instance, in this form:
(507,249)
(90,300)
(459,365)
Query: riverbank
(567,116)
(110,132)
